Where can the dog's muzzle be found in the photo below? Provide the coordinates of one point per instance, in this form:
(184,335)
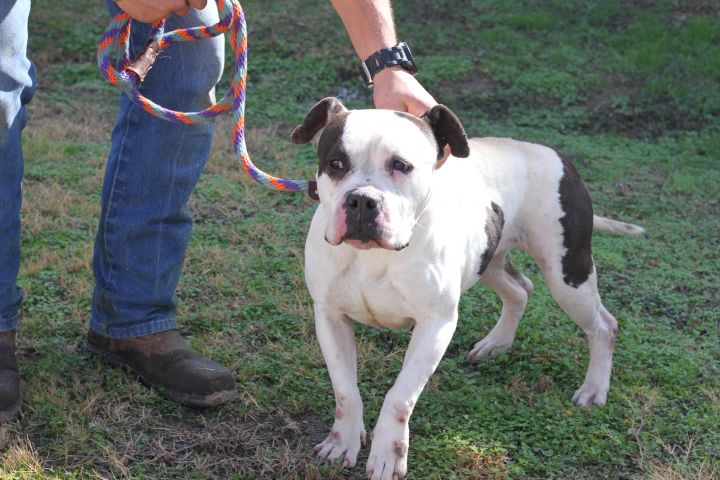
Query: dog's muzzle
(362,210)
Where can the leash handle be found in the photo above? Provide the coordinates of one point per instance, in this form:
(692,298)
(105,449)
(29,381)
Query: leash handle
(142,65)
(130,73)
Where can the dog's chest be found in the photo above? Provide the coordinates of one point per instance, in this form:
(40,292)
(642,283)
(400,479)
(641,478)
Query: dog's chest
(375,295)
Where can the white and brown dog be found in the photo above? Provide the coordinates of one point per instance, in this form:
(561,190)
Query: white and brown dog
(397,239)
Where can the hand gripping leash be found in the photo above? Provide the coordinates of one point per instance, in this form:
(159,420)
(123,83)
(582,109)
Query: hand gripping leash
(130,74)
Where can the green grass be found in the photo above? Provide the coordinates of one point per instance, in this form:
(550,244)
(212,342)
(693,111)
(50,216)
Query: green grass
(629,90)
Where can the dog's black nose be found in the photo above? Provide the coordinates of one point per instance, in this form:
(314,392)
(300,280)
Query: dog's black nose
(362,210)
(362,204)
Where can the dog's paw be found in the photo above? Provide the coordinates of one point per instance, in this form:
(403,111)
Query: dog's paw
(589,395)
(388,455)
(342,443)
(489,347)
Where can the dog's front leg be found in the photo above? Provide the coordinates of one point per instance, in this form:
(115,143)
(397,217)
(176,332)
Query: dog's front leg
(337,341)
(388,454)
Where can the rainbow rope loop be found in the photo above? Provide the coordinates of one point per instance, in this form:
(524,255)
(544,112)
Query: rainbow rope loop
(116,38)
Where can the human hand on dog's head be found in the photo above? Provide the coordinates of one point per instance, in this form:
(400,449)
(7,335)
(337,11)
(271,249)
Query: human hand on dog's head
(148,11)
(396,89)
(445,126)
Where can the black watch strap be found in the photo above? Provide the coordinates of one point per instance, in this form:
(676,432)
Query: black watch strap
(399,55)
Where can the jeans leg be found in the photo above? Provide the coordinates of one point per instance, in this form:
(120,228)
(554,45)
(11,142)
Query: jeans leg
(152,168)
(17,80)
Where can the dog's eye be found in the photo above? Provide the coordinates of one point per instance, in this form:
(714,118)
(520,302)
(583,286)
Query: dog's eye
(401,166)
(337,164)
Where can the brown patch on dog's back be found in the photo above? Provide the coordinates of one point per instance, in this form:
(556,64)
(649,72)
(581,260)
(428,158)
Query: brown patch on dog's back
(577,226)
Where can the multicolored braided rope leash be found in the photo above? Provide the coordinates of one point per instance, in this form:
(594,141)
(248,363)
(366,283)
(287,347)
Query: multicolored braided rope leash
(130,74)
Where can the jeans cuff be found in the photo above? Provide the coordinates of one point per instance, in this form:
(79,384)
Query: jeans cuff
(9,316)
(146,328)
(8,323)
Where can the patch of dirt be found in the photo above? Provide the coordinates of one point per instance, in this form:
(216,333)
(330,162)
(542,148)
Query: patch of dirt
(480,464)
(474,91)
(680,11)
(615,107)
(693,8)
(471,83)
(611,88)
(91,124)
(648,121)
(441,12)
(207,211)
(644,5)
(252,447)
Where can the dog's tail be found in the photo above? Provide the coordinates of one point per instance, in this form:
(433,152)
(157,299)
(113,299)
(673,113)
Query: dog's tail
(602,224)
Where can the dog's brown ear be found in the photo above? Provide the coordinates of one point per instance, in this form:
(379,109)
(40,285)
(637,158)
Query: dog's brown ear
(316,119)
(448,131)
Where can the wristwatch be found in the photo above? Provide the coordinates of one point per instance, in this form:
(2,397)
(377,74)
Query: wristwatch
(399,55)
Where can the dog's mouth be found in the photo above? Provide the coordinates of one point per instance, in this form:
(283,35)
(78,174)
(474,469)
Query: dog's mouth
(363,244)
(362,240)
(367,242)
(365,232)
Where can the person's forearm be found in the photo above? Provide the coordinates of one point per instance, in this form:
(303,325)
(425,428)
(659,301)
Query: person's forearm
(369,24)
(371,28)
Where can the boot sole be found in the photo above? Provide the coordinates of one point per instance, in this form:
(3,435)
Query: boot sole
(190,399)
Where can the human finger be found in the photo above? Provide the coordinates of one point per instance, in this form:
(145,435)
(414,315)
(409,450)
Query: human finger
(182,11)
(198,4)
(142,12)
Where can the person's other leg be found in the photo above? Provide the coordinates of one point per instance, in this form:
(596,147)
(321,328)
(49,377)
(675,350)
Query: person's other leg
(16,89)
(145,225)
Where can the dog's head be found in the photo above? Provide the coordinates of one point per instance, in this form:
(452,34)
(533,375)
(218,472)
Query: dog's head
(375,168)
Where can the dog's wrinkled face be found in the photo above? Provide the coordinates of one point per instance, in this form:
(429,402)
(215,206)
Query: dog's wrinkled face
(375,169)
(373,176)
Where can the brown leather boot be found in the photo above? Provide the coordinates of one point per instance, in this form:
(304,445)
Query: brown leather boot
(166,362)
(10,399)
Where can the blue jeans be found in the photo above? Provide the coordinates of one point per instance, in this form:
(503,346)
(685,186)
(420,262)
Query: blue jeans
(152,168)
(17,81)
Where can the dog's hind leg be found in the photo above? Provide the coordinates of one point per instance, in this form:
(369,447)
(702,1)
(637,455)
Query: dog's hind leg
(582,304)
(513,288)
(563,249)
